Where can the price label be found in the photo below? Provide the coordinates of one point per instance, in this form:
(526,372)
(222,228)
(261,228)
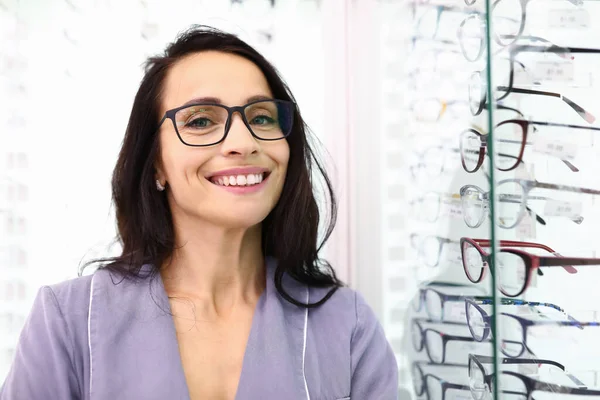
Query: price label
(562,150)
(528,369)
(527,173)
(526,230)
(557,208)
(455,311)
(462,395)
(455,210)
(554,71)
(569,18)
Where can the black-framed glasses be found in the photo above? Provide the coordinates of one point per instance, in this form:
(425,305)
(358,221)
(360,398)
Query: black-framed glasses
(434,342)
(513,197)
(431,386)
(478,96)
(434,301)
(207,124)
(513,328)
(513,384)
(511,138)
(505,70)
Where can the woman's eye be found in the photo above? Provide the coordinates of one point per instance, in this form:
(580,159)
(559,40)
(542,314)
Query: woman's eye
(262,120)
(199,122)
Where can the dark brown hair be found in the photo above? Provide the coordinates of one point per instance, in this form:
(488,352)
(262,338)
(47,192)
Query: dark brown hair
(144,222)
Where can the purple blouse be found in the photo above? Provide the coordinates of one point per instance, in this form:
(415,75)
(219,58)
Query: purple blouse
(101,337)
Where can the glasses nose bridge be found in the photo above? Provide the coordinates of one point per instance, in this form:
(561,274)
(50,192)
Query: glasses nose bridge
(230,113)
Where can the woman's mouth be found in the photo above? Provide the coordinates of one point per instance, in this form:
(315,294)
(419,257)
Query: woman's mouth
(239,180)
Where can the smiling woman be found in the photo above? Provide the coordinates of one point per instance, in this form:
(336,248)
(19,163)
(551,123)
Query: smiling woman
(219,292)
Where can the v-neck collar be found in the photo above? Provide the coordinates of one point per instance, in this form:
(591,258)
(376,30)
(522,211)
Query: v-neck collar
(134,351)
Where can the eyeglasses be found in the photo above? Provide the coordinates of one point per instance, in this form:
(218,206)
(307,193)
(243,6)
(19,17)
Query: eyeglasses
(435,301)
(513,196)
(432,386)
(207,124)
(513,384)
(431,163)
(475,206)
(511,138)
(504,73)
(429,206)
(509,17)
(514,267)
(428,24)
(478,96)
(513,340)
(434,342)
(429,247)
(517,302)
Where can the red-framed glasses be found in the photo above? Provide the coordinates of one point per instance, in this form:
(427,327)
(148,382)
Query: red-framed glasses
(515,266)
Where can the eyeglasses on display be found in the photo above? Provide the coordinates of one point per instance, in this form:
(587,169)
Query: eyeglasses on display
(508,20)
(429,247)
(434,342)
(428,207)
(514,267)
(510,140)
(513,196)
(431,386)
(513,384)
(478,96)
(206,124)
(434,301)
(512,328)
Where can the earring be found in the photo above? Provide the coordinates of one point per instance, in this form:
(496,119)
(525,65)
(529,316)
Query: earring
(159,186)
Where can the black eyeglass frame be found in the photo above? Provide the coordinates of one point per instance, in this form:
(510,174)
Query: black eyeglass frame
(478,105)
(170,114)
(530,384)
(445,385)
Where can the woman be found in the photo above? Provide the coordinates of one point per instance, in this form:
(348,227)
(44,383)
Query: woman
(219,292)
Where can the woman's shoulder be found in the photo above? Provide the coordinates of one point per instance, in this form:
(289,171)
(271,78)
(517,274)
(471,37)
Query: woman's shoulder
(345,309)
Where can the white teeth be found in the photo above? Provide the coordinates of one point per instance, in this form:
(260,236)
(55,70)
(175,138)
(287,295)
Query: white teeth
(239,180)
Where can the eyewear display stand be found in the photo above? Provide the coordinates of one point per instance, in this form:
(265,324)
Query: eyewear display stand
(505,214)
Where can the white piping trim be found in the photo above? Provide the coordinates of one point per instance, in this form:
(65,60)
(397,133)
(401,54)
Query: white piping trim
(89,331)
(304,345)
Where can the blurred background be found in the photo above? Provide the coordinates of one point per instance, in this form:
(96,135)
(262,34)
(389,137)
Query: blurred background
(404,99)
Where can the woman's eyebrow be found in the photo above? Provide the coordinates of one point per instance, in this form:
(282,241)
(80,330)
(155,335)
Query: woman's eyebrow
(216,100)
(258,98)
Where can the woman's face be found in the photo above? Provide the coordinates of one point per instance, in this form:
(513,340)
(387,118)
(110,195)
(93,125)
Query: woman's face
(200,179)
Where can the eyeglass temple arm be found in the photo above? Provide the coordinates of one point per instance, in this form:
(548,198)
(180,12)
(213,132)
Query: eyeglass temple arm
(554,388)
(511,243)
(565,188)
(490,360)
(544,123)
(587,116)
(560,261)
(515,302)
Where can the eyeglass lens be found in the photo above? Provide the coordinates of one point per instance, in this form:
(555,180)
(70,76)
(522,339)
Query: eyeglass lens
(202,124)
